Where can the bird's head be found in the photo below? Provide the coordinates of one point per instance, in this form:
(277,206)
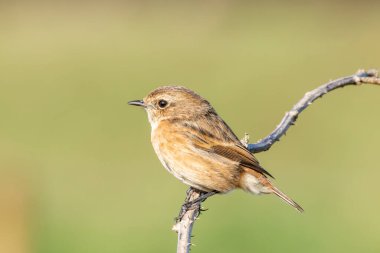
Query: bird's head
(173,103)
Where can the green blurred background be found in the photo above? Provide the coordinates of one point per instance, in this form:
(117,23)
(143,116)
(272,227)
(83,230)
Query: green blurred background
(77,170)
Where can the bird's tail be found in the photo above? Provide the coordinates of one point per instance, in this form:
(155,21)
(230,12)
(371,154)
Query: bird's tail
(287,199)
(257,183)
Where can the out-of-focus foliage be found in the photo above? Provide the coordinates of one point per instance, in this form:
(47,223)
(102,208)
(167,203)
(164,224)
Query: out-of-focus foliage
(77,170)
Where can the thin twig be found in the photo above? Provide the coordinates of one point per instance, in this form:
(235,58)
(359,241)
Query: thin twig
(361,77)
(185,225)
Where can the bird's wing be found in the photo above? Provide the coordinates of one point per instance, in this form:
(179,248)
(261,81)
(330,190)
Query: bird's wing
(220,141)
(239,154)
(232,151)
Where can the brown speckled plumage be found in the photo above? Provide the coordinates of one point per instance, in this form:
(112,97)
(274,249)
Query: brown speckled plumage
(199,148)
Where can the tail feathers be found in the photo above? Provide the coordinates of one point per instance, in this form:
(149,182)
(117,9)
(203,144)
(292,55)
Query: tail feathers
(287,199)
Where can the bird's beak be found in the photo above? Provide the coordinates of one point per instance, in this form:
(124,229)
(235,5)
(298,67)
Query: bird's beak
(137,103)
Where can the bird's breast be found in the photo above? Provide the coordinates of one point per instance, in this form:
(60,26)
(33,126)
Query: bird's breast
(164,143)
(192,165)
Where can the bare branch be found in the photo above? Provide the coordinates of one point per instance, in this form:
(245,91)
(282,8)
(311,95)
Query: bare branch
(188,215)
(361,77)
(184,226)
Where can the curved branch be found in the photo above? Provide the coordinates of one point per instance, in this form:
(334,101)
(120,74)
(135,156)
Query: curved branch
(188,215)
(361,77)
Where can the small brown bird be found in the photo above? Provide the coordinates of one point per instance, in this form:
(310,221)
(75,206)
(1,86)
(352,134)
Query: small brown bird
(199,148)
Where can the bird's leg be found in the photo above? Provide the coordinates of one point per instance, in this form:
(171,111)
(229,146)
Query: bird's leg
(203,196)
(185,207)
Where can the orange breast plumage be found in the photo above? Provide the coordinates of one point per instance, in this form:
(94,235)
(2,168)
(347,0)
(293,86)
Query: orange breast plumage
(178,150)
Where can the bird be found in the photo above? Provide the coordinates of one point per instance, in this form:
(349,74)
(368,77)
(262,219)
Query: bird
(196,146)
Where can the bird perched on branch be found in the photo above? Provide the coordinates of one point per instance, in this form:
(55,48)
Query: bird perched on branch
(195,145)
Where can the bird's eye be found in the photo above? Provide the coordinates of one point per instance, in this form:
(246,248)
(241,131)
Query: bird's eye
(162,103)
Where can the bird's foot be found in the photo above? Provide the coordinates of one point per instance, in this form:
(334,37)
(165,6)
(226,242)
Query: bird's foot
(196,203)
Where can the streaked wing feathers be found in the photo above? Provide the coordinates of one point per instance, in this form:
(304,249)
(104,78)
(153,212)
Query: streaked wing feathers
(240,154)
(232,151)
(213,135)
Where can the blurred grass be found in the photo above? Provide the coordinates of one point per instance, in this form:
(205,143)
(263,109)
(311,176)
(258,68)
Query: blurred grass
(92,180)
